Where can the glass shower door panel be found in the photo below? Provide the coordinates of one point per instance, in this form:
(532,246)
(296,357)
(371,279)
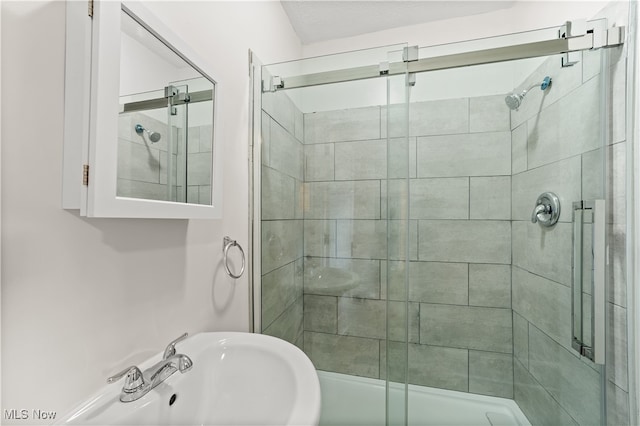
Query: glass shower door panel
(493,287)
(326,234)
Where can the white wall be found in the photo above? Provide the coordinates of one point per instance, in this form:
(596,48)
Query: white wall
(83,298)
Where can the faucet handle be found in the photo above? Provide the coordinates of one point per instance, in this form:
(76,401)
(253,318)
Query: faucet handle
(547,209)
(133,382)
(171,347)
(540,209)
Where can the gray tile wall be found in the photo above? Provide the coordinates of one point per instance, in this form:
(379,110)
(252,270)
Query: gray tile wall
(459,234)
(282,179)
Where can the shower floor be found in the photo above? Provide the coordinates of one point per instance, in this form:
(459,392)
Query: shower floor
(352,400)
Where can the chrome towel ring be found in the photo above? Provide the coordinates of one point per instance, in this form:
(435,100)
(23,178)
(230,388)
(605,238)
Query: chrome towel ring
(227,243)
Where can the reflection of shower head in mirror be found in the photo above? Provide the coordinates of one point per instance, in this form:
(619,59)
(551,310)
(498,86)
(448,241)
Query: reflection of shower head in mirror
(153,136)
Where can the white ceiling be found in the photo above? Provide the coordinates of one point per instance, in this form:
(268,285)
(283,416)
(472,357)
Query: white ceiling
(320,20)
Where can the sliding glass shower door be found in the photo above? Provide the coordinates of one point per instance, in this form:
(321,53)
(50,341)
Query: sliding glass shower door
(493,272)
(431,225)
(329,238)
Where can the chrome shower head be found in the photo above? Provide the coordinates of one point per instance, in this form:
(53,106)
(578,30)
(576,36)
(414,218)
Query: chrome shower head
(514,100)
(153,136)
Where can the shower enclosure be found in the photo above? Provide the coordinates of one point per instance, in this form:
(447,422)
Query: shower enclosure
(394,239)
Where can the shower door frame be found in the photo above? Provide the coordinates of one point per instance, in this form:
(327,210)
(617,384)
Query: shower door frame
(595,38)
(254,265)
(633,208)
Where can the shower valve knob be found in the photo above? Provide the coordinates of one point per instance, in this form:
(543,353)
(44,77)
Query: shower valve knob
(547,209)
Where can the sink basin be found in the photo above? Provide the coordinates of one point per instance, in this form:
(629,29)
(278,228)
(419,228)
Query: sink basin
(236,379)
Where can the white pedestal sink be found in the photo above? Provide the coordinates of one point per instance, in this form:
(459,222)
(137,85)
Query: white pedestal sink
(236,379)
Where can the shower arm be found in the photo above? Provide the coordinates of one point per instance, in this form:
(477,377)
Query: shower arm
(546,82)
(529,88)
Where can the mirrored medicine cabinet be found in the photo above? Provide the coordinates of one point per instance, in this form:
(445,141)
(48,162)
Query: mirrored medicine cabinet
(140,132)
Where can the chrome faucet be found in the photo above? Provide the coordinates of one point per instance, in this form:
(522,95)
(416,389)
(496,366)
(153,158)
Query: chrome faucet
(167,367)
(137,384)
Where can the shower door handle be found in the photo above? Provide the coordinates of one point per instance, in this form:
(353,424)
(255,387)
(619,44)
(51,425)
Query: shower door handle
(588,280)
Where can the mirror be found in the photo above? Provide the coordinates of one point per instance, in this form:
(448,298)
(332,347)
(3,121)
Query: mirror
(165,124)
(140,126)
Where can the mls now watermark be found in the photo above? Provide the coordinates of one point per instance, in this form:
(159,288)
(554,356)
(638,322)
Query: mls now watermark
(29,415)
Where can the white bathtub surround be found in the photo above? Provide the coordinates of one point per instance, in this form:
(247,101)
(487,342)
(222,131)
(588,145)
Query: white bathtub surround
(357,400)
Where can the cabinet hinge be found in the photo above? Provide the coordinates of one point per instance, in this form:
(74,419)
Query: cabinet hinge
(85,174)
(90,8)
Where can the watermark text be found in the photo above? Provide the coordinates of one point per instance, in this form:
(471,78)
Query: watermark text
(33,414)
